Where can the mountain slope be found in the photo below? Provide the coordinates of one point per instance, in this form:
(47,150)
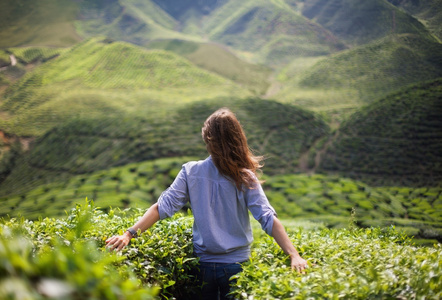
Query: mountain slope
(360,21)
(428,12)
(216,58)
(378,68)
(275,34)
(132,21)
(394,141)
(99,77)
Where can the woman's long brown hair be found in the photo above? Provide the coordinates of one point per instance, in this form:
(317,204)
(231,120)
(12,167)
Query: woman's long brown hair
(227,144)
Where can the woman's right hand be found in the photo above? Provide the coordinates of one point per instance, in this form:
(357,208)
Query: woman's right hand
(118,242)
(298,263)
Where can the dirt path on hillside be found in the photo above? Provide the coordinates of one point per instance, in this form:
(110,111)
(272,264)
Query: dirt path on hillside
(303,163)
(322,151)
(273,89)
(304,157)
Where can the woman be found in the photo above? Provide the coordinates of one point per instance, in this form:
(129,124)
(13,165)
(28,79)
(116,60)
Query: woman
(221,190)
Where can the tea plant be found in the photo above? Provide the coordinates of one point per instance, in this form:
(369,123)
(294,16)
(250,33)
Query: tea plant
(47,266)
(159,258)
(353,263)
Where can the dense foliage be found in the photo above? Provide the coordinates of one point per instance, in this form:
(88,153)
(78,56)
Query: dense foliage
(83,146)
(350,264)
(396,140)
(67,258)
(53,259)
(113,122)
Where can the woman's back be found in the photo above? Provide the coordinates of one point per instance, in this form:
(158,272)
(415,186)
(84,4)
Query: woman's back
(221,230)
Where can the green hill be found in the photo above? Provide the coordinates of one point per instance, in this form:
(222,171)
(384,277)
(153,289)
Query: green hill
(188,14)
(216,58)
(396,140)
(359,21)
(103,78)
(135,21)
(270,31)
(82,146)
(363,74)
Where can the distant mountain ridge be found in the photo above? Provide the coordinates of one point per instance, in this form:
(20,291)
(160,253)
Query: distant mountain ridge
(429,11)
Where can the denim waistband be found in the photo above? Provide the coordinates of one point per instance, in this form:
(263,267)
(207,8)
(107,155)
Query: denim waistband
(213,264)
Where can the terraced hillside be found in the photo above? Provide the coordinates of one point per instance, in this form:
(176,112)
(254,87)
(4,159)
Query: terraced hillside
(333,201)
(396,140)
(363,74)
(103,78)
(270,31)
(113,116)
(86,145)
(218,59)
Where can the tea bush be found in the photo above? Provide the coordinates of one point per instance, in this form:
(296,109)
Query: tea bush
(353,263)
(350,264)
(158,259)
(49,260)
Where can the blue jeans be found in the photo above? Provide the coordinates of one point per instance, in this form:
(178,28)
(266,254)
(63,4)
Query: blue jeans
(215,279)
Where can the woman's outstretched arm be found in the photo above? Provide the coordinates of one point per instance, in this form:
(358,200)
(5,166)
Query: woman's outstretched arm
(280,235)
(145,222)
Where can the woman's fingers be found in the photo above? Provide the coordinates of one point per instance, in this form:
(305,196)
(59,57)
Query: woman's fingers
(299,264)
(110,240)
(300,268)
(116,243)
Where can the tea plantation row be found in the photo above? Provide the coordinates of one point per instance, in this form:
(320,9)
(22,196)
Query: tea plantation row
(66,258)
(324,199)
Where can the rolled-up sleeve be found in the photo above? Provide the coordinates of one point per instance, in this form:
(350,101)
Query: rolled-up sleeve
(260,207)
(174,197)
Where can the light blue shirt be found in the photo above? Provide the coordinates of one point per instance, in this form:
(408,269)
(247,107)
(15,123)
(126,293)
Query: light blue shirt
(221,228)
